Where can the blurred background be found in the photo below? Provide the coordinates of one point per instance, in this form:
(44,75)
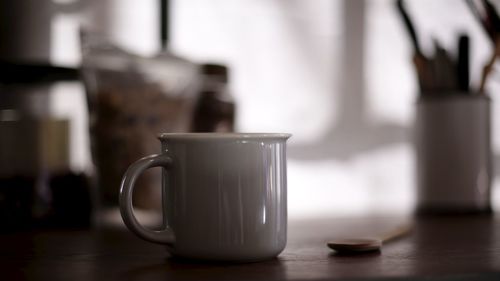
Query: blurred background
(337,74)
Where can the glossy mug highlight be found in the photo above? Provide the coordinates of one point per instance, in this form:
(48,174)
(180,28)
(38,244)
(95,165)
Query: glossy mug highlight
(224,195)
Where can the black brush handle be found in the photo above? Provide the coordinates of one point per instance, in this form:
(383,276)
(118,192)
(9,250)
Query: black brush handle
(463,63)
(164,23)
(409,26)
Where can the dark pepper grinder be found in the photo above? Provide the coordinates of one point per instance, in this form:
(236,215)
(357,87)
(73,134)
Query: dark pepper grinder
(215,108)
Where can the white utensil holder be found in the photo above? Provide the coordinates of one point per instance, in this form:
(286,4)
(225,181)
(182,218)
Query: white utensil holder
(453,152)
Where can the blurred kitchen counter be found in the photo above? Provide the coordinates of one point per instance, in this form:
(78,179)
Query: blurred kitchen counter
(447,248)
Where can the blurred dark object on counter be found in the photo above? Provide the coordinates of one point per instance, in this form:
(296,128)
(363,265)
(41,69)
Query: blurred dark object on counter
(27,28)
(37,187)
(71,204)
(215,109)
(12,73)
(28,202)
(32,139)
(17,197)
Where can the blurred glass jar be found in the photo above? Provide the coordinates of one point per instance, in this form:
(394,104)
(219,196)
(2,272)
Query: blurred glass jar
(131,99)
(215,108)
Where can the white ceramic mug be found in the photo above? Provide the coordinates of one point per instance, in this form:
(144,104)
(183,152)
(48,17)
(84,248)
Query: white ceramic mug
(454,165)
(224,195)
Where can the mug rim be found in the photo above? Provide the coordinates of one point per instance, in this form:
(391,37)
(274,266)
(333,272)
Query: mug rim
(201,136)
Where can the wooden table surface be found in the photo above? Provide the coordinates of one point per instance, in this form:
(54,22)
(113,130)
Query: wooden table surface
(456,248)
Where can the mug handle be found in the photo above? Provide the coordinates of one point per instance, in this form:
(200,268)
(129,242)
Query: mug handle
(165,236)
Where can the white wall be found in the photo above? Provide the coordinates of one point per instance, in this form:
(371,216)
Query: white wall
(335,74)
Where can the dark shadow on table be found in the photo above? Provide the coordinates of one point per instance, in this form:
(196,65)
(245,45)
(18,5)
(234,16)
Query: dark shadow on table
(183,269)
(355,255)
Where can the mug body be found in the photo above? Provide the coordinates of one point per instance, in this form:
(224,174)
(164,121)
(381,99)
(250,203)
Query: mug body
(225,195)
